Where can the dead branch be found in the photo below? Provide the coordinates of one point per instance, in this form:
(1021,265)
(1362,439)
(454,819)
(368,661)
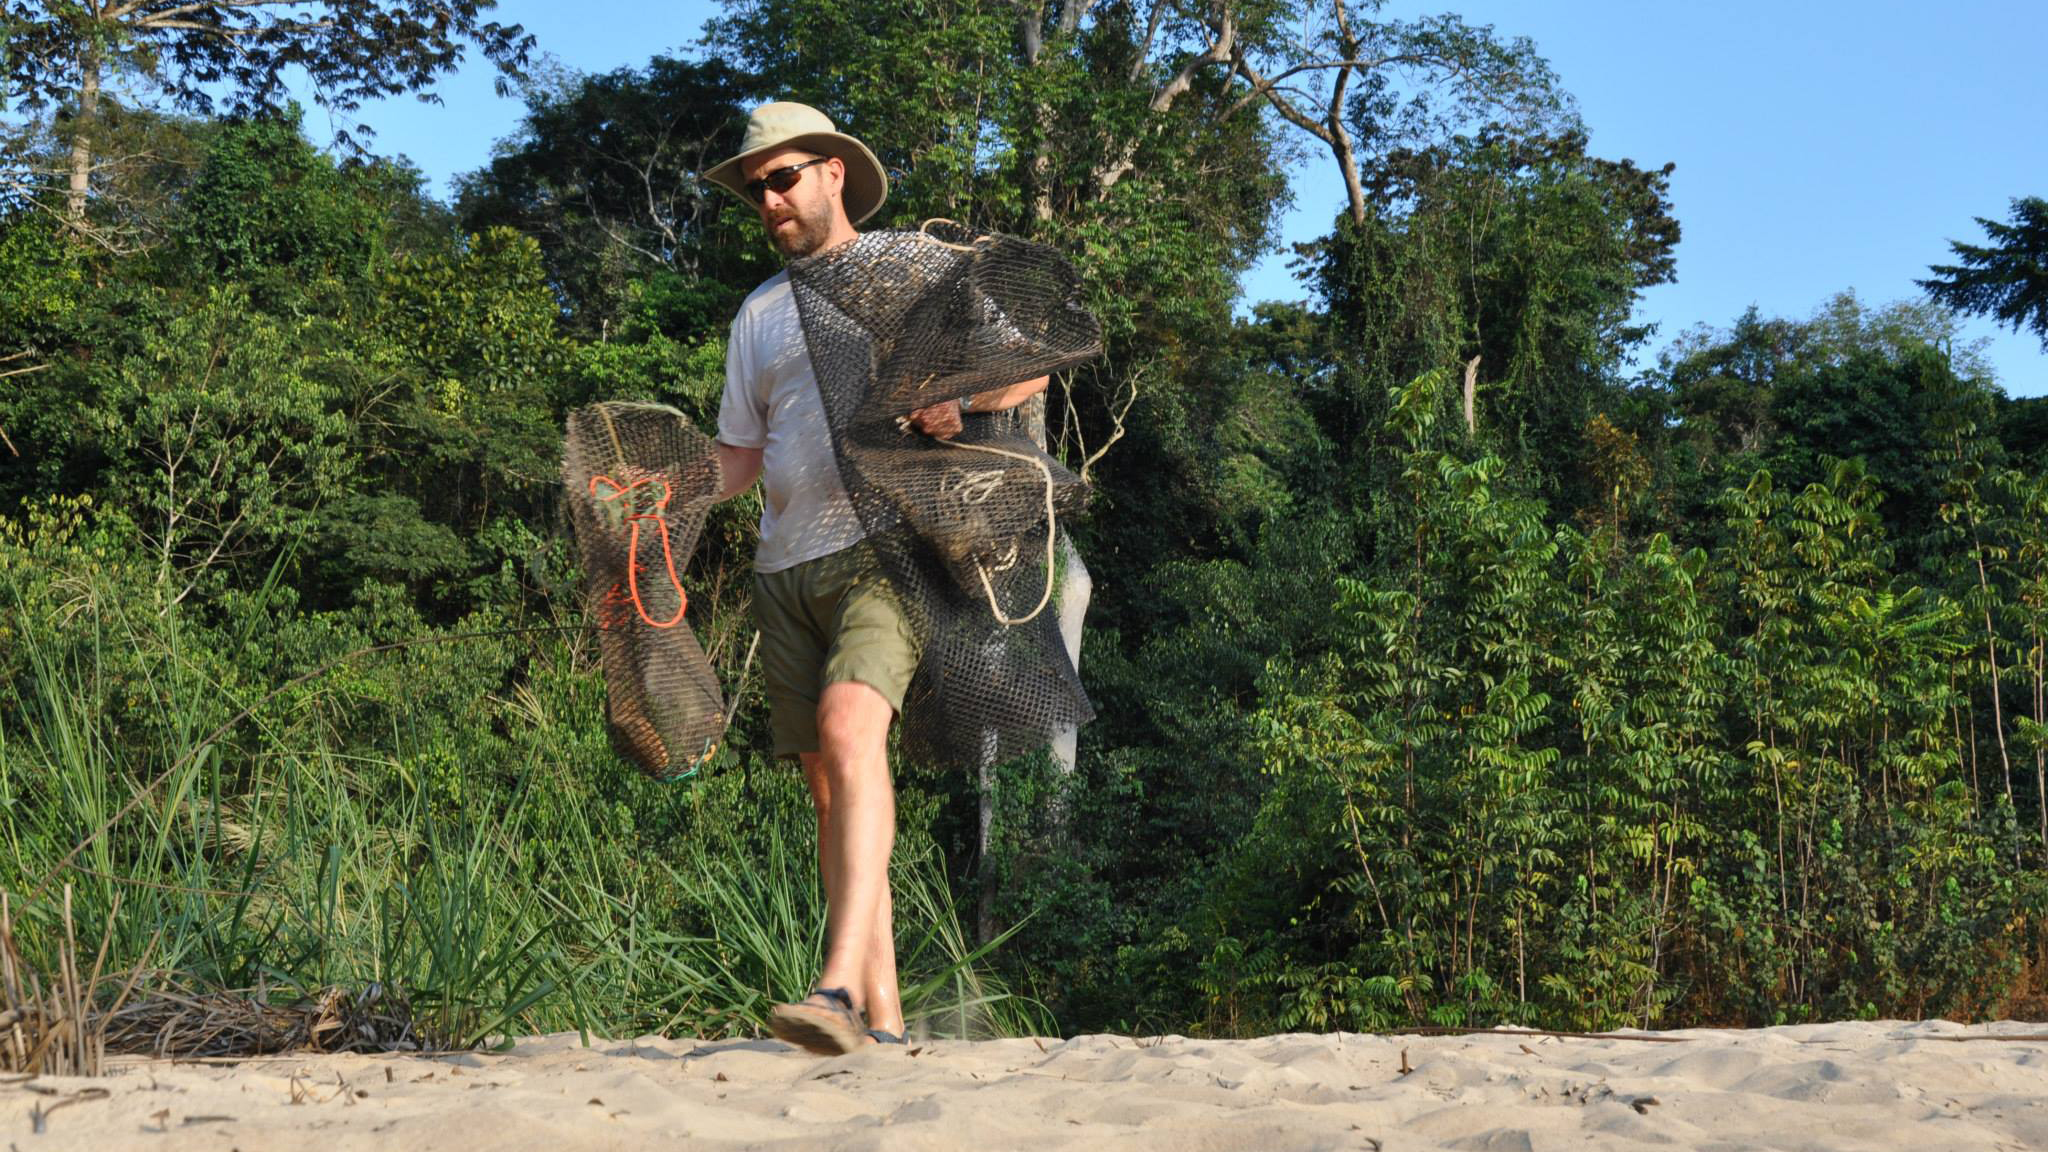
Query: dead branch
(1117,418)
(1471,391)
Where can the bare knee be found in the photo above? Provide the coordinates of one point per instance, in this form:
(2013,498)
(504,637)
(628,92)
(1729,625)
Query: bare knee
(853,726)
(839,735)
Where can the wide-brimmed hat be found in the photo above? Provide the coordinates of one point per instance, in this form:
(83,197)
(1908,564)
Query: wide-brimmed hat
(784,124)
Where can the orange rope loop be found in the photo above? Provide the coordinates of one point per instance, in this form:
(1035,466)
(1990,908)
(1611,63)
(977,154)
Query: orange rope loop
(633,519)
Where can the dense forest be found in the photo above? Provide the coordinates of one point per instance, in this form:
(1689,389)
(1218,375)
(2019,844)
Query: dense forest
(1465,652)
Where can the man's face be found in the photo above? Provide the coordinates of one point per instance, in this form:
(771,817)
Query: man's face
(799,220)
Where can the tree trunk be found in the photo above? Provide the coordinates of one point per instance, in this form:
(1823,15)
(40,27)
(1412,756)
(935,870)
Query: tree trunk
(1221,50)
(1031,34)
(81,136)
(2041,717)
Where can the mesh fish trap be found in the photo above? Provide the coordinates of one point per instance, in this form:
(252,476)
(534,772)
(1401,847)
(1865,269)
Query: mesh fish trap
(640,480)
(966,529)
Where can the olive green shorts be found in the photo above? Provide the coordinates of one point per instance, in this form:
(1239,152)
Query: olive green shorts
(823,621)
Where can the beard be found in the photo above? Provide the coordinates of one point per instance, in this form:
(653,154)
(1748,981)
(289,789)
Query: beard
(813,226)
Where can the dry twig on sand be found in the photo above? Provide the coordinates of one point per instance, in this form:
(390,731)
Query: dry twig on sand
(184,1023)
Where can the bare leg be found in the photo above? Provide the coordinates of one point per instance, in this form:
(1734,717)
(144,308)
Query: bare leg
(856,808)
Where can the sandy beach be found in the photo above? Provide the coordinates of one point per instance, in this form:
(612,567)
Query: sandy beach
(1881,1085)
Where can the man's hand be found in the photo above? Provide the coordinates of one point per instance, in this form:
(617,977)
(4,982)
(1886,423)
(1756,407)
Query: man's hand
(941,420)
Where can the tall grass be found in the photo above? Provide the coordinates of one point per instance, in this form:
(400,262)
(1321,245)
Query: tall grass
(442,829)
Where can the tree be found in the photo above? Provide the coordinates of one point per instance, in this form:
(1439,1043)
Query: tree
(2006,279)
(1523,251)
(65,53)
(604,173)
(1721,382)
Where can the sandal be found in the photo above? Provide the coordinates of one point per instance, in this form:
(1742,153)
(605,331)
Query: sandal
(883,1036)
(830,1029)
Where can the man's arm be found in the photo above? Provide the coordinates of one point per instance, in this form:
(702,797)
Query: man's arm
(738,468)
(943,419)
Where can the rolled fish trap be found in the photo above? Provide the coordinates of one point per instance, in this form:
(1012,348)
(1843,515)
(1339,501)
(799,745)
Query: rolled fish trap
(640,480)
(966,529)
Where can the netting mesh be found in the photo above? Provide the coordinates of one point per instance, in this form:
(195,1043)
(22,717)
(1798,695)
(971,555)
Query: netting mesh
(640,480)
(966,530)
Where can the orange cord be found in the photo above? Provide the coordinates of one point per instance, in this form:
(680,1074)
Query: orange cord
(619,492)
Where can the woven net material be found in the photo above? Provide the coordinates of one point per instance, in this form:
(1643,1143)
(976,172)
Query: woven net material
(966,530)
(640,481)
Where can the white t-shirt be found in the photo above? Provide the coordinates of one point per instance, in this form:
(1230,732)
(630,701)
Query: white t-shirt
(771,402)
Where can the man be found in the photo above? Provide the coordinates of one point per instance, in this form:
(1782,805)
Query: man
(837,652)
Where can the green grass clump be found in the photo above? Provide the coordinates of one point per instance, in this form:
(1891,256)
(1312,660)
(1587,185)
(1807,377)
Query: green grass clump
(444,824)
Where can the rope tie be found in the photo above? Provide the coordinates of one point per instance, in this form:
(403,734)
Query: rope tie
(924,232)
(633,521)
(1051,534)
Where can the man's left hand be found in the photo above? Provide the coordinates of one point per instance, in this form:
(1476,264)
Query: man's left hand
(941,420)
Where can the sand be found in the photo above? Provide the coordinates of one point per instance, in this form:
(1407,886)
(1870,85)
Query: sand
(1882,1085)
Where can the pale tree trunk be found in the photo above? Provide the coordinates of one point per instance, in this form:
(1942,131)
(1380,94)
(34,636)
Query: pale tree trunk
(1340,136)
(1031,31)
(1472,416)
(81,137)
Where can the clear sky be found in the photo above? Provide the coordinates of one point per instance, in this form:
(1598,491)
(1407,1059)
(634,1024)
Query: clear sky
(1821,145)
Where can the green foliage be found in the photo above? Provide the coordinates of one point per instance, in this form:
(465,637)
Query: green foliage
(1590,778)
(266,204)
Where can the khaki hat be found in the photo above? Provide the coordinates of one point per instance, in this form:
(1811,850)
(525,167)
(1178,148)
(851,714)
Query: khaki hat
(788,125)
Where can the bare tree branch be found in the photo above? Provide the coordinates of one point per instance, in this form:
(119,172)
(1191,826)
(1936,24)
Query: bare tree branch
(1221,50)
(1218,52)
(236,33)
(1118,418)
(1287,109)
(1260,88)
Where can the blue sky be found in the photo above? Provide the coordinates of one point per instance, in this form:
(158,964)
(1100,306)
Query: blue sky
(1821,145)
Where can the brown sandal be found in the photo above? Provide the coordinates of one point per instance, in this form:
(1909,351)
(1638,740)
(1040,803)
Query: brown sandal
(830,1029)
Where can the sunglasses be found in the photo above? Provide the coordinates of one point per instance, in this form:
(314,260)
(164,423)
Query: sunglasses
(781,180)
